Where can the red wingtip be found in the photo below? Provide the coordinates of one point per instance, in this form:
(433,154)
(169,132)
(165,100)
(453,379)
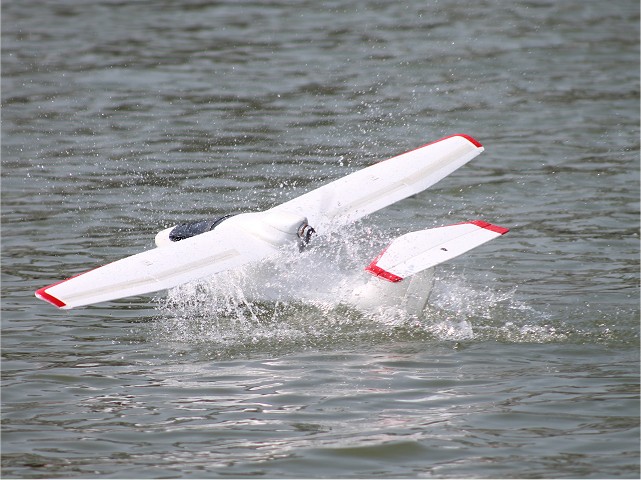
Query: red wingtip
(472,140)
(43,295)
(489,226)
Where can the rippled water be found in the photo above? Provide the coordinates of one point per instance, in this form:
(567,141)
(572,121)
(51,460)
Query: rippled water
(120,118)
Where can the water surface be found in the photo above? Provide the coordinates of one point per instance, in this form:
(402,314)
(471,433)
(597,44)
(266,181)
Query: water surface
(121,118)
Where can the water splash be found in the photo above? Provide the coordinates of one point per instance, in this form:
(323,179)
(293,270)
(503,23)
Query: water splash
(481,310)
(303,302)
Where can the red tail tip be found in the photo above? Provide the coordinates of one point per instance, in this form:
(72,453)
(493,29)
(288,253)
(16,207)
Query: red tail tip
(379,272)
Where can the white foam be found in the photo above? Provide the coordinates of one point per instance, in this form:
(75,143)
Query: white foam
(307,299)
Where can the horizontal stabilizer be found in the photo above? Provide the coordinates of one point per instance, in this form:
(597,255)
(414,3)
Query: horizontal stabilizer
(416,251)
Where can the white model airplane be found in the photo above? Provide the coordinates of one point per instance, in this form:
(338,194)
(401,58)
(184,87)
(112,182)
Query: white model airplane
(194,251)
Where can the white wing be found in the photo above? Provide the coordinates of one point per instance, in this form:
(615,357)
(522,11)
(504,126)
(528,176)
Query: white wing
(347,199)
(239,240)
(416,251)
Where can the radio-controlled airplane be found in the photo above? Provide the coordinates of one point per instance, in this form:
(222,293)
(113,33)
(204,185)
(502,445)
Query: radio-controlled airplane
(190,252)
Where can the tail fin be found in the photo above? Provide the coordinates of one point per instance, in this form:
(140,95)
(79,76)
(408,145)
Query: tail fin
(417,251)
